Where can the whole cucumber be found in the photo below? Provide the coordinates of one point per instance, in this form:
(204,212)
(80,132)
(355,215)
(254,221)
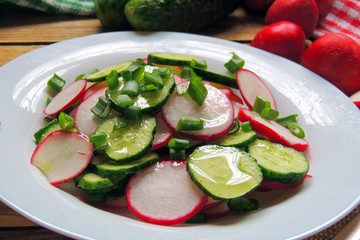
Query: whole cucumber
(176,15)
(111,13)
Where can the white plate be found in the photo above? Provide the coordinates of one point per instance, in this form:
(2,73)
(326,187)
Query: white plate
(330,120)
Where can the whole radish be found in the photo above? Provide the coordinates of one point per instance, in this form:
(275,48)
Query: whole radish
(282,38)
(324,7)
(304,13)
(335,57)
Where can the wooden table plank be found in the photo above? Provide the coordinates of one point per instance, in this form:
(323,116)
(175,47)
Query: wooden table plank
(9,52)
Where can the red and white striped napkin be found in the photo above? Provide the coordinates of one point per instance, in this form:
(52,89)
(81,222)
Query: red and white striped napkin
(344,17)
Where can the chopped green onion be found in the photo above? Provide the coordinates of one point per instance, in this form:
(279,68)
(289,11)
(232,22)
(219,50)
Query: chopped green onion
(198,63)
(131,88)
(102,108)
(296,130)
(177,143)
(113,80)
(235,126)
(162,72)
(118,124)
(188,72)
(286,120)
(235,63)
(269,113)
(242,204)
(189,124)
(56,83)
(197,91)
(48,100)
(127,75)
(94,197)
(198,218)
(246,126)
(177,154)
(138,75)
(99,140)
(133,113)
(181,89)
(147,87)
(259,104)
(66,122)
(135,65)
(123,100)
(153,79)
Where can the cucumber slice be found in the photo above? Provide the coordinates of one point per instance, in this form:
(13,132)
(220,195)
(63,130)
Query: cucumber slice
(223,172)
(217,78)
(46,130)
(279,163)
(131,142)
(147,101)
(94,183)
(103,73)
(238,139)
(111,169)
(174,59)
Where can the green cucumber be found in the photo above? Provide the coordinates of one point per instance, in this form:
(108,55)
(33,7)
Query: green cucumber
(226,80)
(46,130)
(111,169)
(173,59)
(223,172)
(103,73)
(279,163)
(94,183)
(131,142)
(147,101)
(238,139)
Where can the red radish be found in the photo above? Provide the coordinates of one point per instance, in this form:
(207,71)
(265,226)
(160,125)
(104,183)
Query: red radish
(219,210)
(164,194)
(335,57)
(251,86)
(282,38)
(304,13)
(66,98)
(217,113)
(259,6)
(268,186)
(62,155)
(324,7)
(356,98)
(93,88)
(162,134)
(85,121)
(178,79)
(210,203)
(272,130)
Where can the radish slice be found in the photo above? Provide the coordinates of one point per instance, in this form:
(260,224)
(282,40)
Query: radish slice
(66,98)
(62,155)
(93,88)
(162,134)
(164,194)
(220,210)
(178,79)
(251,86)
(85,121)
(217,113)
(272,130)
(356,98)
(211,203)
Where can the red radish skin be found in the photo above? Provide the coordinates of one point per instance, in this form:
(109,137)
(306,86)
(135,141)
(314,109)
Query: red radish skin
(356,98)
(272,130)
(164,194)
(85,121)
(210,203)
(217,211)
(324,7)
(66,97)
(162,134)
(268,186)
(284,38)
(251,86)
(335,57)
(62,155)
(217,113)
(304,13)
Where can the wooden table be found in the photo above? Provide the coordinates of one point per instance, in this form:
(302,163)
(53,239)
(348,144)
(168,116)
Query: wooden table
(23,30)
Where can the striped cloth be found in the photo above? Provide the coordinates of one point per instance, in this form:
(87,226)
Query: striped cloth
(344,17)
(75,7)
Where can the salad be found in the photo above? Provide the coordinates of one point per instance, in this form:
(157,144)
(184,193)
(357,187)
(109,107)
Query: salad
(168,139)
